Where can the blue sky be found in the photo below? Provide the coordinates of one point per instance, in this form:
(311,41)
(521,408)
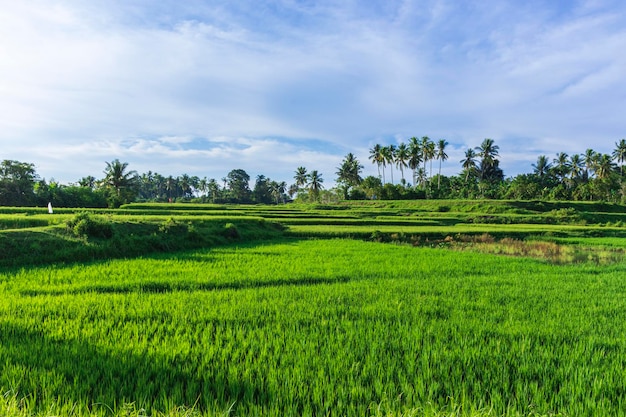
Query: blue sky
(203,87)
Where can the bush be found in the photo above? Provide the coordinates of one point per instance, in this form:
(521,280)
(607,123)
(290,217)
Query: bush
(230,231)
(85,225)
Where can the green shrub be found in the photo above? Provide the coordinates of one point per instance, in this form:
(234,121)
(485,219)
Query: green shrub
(230,231)
(86,225)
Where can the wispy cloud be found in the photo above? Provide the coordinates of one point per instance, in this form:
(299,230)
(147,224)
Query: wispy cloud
(204,87)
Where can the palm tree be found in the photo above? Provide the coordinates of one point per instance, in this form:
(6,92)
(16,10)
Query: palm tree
(384,157)
(170,185)
(489,164)
(589,159)
(542,167)
(88,182)
(619,154)
(605,166)
(349,173)
(315,183)
(561,165)
(402,156)
(118,178)
(185,185)
(428,152)
(390,158)
(301,177)
(213,189)
(277,190)
(469,163)
(575,167)
(376,156)
(415,157)
(442,156)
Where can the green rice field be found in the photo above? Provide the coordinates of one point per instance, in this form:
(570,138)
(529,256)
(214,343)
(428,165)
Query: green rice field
(277,316)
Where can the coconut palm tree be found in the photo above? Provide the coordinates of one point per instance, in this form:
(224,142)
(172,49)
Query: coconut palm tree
(277,189)
(118,178)
(489,164)
(561,166)
(605,166)
(301,177)
(589,159)
(415,157)
(390,156)
(428,152)
(315,184)
(88,182)
(349,173)
(402,156)
(441,156)
(469,163)
(213,189)
(376,156)
(619,154)
(542,167)
(385,156)
(575,167)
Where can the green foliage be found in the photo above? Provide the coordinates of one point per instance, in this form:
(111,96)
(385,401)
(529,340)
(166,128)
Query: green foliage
(17,182)
(84,224)
(230,231)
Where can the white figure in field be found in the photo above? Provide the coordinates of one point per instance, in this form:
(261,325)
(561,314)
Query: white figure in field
(50,208)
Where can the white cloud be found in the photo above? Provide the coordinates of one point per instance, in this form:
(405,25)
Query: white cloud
(175,87)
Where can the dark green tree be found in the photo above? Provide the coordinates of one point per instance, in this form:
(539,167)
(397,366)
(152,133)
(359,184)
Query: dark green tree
(121,183)
(238,184)
(262,192)
(349,174)
(489,168)
(17,183)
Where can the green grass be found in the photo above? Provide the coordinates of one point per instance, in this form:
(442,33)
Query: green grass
(317,327)
(105,314)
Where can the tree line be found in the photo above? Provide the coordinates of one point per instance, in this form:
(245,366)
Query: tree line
(587,176)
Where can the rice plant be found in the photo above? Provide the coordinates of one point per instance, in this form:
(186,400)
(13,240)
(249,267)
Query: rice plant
(314,327)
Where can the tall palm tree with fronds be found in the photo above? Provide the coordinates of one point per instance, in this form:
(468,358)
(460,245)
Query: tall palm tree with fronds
(415,157)
(589,158)
(619,154)
(277,189)
(384,157)
(575,167)
(315,184)
(469,163)
(561,165)
(402,156)
(349,173)
(118,178)
(376,156)
(390,157)
(605,166)
(542,167)
(301,177)
(441,156)
(489,164)
(428,151)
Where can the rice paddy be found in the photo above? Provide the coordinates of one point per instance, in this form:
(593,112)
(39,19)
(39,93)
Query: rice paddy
(321,324)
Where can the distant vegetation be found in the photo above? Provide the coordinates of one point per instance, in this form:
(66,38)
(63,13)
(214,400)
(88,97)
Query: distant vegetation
(590,176)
